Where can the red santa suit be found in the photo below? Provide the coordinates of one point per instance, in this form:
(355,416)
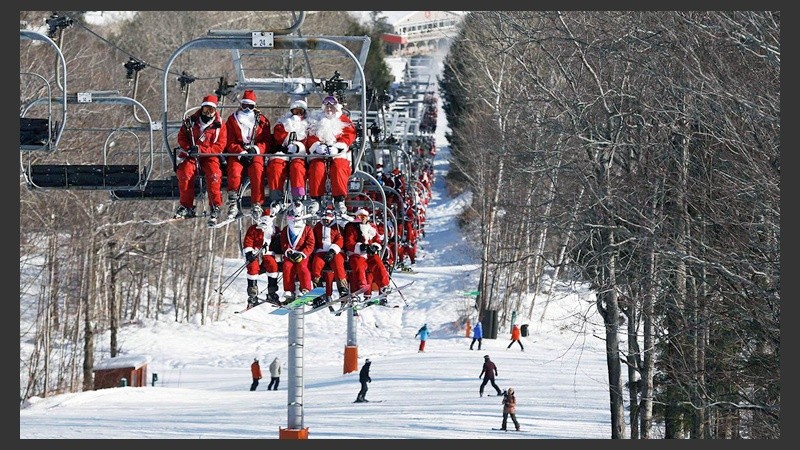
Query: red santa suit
(365,269)
(296,237)
(409,242)
(279,168)
(258,236)
(328,236)
(243,127)
(330,135)
(210,137)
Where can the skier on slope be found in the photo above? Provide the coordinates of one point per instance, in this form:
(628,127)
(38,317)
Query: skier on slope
(423,336)
(509,408)
(488,373)
(255,371)
(477,335)
(364,378)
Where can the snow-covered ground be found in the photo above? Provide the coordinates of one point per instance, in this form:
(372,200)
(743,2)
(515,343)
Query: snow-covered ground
(203,383)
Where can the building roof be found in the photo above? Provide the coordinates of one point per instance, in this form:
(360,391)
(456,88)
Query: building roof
(123,361)
(425,16)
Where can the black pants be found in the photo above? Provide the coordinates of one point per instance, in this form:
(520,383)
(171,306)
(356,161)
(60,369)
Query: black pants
(254,385)
(473,343)
(518,342)
(490,380)
(273,383)
(513,418)
(363,392)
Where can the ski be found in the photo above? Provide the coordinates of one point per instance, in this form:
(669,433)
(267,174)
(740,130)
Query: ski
(369,401)
(261,301)
(376,299)
(171,220)
(408,270)
(301,301)
(344,299)
(511,429)
(222,223)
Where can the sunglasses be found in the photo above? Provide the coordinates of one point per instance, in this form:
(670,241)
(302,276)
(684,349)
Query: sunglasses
(248,106)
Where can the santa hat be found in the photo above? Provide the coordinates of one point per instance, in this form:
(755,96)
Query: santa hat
(209,100)
(298,104)
(362,212)
(329,213)
(249,97)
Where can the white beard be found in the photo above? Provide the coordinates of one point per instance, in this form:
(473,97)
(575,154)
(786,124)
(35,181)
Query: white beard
(327,129)
(297,226)
(367,231)
(246,120)
(295,124)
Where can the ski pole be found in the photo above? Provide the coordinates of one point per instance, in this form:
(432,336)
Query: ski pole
(226,283)
(399,292)
(233,276)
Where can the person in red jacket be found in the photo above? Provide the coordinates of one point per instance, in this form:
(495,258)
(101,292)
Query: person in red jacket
(202,133)
(328,242)
(255,371)
(409,242)
(362,243)
(290,135)
(249,133)
(297,243)
(515,335)
(330,135)
(258,240)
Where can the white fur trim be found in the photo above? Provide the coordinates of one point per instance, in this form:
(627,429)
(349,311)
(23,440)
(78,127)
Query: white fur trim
(298,104)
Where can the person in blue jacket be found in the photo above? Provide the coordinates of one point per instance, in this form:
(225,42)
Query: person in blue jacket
(477,335)
(423,336)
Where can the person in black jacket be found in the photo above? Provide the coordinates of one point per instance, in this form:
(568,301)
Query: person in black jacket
(488,373)
(364,378)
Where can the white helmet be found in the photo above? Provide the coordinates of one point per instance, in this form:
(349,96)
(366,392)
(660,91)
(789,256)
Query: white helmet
(297,209)
(298,104)
(265,221)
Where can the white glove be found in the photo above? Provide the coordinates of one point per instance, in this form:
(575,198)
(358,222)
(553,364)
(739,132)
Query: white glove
(340,147)
(322,149)
(292,148)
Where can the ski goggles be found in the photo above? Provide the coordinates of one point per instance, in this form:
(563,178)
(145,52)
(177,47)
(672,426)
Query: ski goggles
(248,106)
(330,101)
